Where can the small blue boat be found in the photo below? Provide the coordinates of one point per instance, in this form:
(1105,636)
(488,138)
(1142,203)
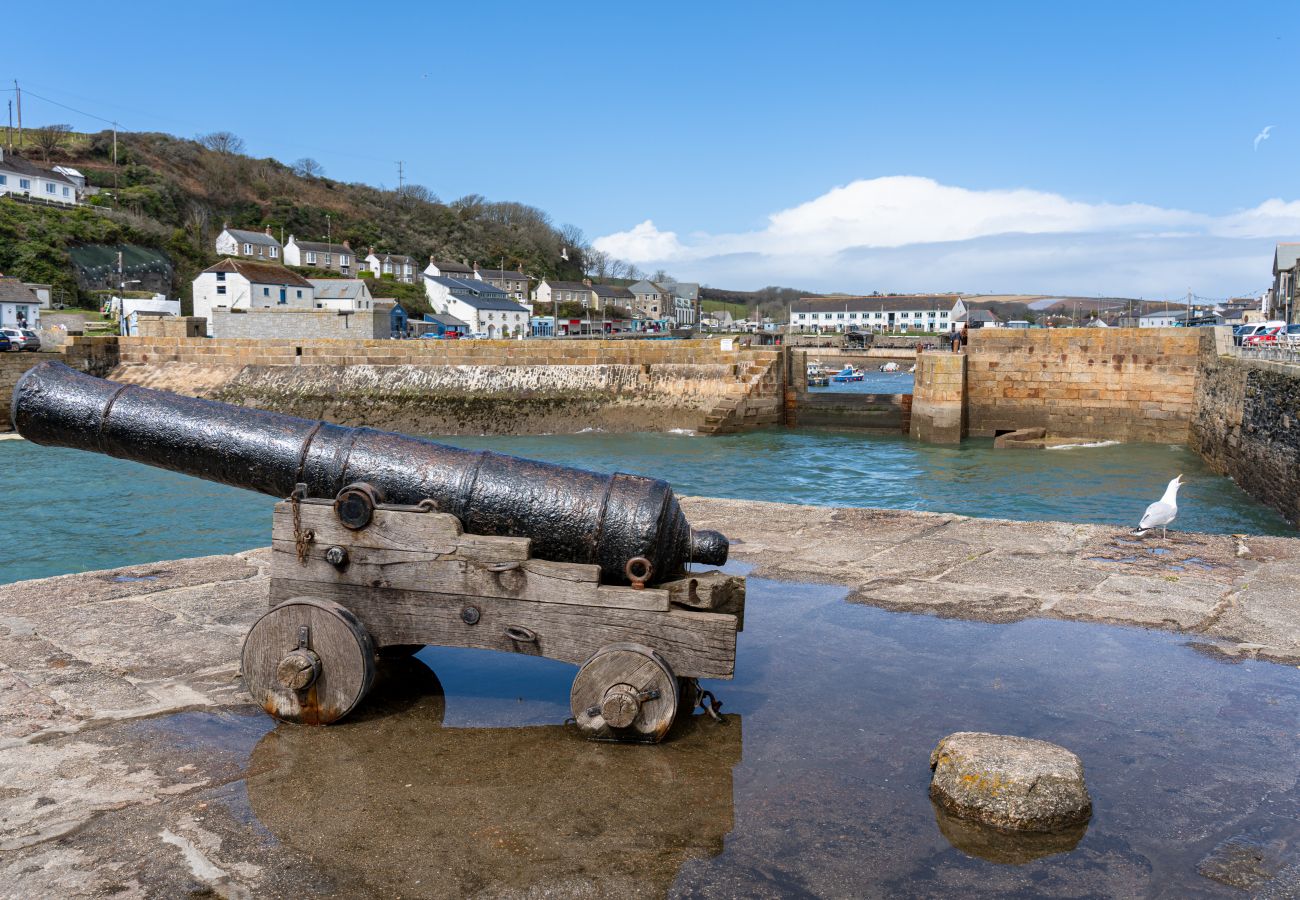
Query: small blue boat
(848,373)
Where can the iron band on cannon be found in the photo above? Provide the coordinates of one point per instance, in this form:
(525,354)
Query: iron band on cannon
(386,540)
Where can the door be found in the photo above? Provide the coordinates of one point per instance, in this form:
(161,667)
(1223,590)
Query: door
(284,296)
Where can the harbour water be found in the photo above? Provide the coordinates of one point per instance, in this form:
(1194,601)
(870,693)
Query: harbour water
(457,777)
(68,511)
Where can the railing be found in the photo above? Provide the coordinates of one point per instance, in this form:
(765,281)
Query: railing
(1286,350)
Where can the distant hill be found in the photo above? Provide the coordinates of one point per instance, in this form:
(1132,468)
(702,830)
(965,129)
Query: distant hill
(175,194)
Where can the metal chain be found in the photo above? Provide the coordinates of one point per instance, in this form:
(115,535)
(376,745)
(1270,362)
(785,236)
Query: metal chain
(301,539)
(706,701)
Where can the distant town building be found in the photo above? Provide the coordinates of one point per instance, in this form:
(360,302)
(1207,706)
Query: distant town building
(318,255)
(240,284)
(611,296)
(399,268)
(930,313)
(513,283)
(549,292)
(1286,268)
(19,305)
(651,299)
(255,245)
(486,309)
(974,318)
(461,270)
(20,178)
(1166,318)
(341,293)
(441,324)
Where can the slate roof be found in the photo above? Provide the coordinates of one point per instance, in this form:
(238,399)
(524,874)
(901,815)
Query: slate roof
(503,274)
(872,304)
(394,258)
(612,292)
(338,288)
(320,246)
(453,267)
(490,303)
(20,166)
(14,291)
(978,315)
(260,273)
(252,237)
(1285,257)
(566,285)
(445,320)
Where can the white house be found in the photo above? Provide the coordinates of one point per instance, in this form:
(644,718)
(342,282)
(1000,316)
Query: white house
(19,305)
(401,268)
(1166,318)
(463,271)
(24,179)
(486,309)
(239,284)
(352,294)
(255,245)
(320,255)
(929,313)
(549,291)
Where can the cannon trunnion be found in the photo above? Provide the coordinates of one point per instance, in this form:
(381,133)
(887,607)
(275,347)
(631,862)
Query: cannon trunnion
(351,578)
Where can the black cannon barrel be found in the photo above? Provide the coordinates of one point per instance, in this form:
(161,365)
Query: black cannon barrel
(571,515)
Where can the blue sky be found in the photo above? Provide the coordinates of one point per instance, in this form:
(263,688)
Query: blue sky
(1081,148)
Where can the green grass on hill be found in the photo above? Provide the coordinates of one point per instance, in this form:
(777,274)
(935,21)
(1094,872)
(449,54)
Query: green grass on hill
(737,310)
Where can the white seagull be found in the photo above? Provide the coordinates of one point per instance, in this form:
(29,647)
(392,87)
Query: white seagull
(1263,135)
(1163,511)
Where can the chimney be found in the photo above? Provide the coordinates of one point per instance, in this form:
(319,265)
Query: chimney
(346,245)
(372,251)
(476,265)
(464,260)
(431,262)
(268,230)
(587,282)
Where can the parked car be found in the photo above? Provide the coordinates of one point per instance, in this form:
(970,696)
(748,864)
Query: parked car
(18,339)
(5,343)
(33,340)
(1264,338)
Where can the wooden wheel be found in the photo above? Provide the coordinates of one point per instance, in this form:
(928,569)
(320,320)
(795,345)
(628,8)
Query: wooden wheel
(625,692)
(308,661)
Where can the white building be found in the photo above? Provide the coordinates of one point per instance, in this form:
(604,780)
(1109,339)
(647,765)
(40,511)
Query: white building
(19,305)
(21,178)
(352,294)
(928,313)
(1167,318)
(320,255)
(239,284)
(254,245)
(132,308)
(486,309)
(549,291)
(461,270)
(399,268)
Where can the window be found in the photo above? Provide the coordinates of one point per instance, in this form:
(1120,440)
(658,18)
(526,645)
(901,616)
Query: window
(65,192)
(344,261)
(248,249)
(327,259)
(4,179)
(266,292)
(221,289)
(221,276)
(275,252)
(25,183)
(300,295)
(311,259)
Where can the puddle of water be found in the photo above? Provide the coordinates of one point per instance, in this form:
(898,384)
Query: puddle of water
(468,781)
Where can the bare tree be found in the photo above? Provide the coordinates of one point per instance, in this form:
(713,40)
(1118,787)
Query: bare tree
(48,137)
(196,221)
(308,168)
(224,142)
(416,193)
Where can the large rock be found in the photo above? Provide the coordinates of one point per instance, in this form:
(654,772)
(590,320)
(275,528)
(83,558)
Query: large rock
(1009,782)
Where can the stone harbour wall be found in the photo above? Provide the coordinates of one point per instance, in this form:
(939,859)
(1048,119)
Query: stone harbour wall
(1247,426)
(1122,384)
(304,324)
(938,413)
(475,387)
(97,357)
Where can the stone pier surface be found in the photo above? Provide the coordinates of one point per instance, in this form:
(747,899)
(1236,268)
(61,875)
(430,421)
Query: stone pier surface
(122,717)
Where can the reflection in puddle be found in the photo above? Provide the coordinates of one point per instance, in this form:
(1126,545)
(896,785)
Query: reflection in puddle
(979,840)
(408,806)
(474,785)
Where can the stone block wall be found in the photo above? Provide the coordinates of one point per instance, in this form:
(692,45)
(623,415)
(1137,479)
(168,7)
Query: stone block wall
(1124,384)
(98,356)
(938,413)
(303,324)
(475,387)
(1247,426)
(172,326)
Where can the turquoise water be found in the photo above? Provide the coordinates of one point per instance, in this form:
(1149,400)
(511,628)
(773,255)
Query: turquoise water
(873,383)
(68,511)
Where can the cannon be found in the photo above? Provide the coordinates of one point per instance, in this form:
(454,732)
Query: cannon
(386,541)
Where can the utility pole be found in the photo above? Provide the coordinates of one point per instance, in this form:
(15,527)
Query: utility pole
(9,129)
(399,176)
(114,163)
(18,93)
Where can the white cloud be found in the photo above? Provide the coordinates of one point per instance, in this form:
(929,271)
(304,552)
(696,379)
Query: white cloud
(910,233)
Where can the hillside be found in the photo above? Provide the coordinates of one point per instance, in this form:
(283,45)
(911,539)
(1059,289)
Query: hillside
(175,194)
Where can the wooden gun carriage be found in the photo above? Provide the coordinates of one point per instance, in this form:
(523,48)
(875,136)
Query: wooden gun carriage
(352,577)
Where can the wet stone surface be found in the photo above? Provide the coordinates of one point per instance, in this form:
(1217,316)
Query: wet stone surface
(132,765)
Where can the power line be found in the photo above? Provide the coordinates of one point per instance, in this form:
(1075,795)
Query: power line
(80,112)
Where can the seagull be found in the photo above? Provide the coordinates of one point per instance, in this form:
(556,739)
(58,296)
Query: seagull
(1163,511)
(1263,135)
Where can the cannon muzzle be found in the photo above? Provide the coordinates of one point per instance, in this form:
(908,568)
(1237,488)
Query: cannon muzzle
(618,522)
